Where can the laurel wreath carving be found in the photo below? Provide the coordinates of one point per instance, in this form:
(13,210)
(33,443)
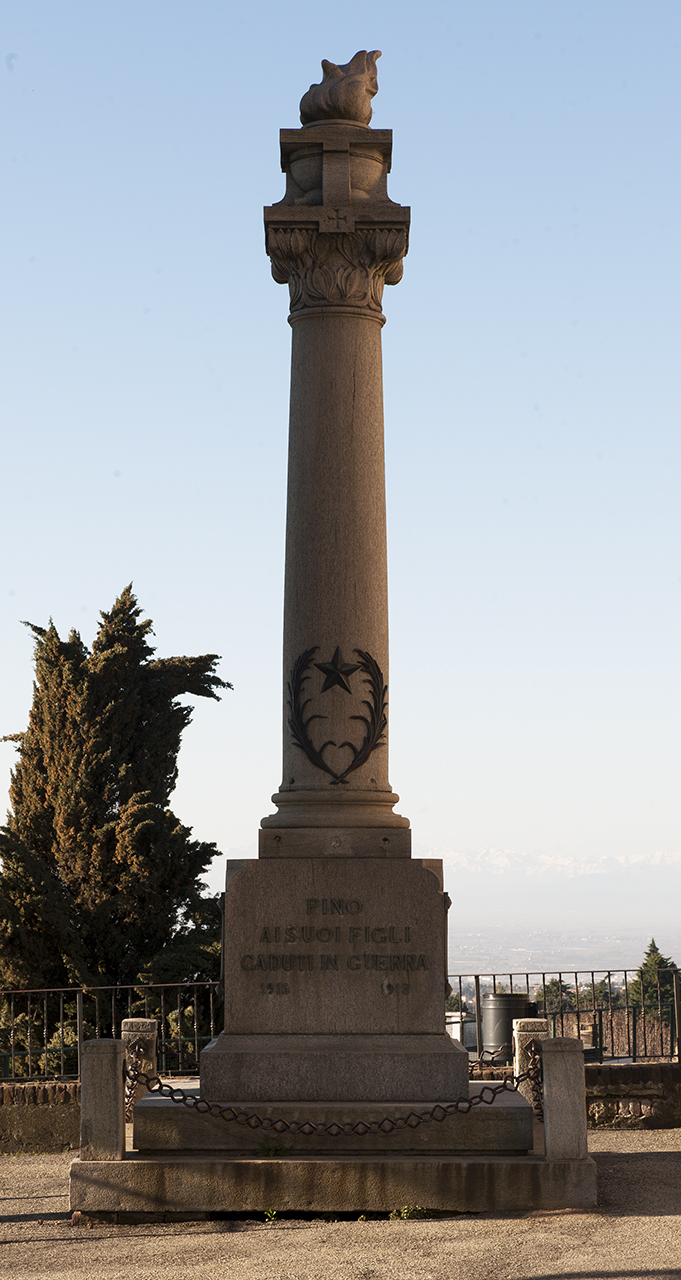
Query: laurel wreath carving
(375,721)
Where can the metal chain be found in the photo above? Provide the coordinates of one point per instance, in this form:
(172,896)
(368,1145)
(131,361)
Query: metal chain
(533,1074)
(535,1078)
(333,1128)
(488,1059)
(135,1048)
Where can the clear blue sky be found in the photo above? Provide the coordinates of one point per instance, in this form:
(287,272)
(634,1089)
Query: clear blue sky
(532,408)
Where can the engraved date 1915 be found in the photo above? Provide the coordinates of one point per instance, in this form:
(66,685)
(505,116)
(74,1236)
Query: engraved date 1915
(274,988)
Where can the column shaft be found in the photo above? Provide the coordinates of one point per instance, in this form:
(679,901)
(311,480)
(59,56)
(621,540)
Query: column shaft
(336,244)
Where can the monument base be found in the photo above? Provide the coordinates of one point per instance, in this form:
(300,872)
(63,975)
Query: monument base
(344,1068)
(194,1187)
(183,1171)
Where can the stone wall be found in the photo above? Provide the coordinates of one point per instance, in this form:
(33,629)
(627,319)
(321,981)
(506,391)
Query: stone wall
(637,1095)
(40,1117)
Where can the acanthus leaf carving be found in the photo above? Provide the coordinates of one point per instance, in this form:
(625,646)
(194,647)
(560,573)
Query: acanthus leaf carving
(336,268)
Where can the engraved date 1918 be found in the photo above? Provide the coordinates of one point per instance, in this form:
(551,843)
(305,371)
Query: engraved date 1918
(274,988)
(392,988)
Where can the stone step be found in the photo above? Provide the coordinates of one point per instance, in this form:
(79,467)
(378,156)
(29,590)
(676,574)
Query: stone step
(346,1184)
(504,1127)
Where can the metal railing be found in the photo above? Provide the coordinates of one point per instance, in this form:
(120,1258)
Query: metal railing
(619,1016)
(42,1031)
(626,1015)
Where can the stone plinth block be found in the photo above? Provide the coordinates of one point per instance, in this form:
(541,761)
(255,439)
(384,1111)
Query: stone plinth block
(505,1128)
(102,1121)
(564,1100)
(369,1068)
(335,946)
(334,842)
(376,1184)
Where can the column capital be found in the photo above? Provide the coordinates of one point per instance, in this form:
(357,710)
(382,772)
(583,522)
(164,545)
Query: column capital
(336,238)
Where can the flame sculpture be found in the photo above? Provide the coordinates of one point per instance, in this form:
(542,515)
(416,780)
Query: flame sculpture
(345,93)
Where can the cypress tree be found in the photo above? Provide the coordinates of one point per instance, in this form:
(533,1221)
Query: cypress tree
(656,975)
(100,881)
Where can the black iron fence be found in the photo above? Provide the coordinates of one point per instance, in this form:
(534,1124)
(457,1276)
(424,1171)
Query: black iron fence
(621,1015)
(42,1031)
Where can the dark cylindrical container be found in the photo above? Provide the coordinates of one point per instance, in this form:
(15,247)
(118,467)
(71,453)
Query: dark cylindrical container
(498,1012)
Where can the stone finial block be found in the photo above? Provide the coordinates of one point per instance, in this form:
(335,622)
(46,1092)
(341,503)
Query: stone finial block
(564,1100)
(102,1121)
(138,1027)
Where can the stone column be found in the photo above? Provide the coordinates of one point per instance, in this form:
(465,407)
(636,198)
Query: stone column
(564,1100)
(335,954)
(336,239)
(102,1121)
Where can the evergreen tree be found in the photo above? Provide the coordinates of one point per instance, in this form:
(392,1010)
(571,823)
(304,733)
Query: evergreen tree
(559,996)
(100,881)
(656,973)
(600,996)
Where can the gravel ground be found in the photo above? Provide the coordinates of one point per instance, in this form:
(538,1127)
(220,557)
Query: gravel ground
(635,1232)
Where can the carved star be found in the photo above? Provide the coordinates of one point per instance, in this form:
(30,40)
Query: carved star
(335,671)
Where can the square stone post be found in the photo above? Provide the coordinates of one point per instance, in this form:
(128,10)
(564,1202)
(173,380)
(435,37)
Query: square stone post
(102,1100)
(564,1100)
(141,1033)
(525,1030)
